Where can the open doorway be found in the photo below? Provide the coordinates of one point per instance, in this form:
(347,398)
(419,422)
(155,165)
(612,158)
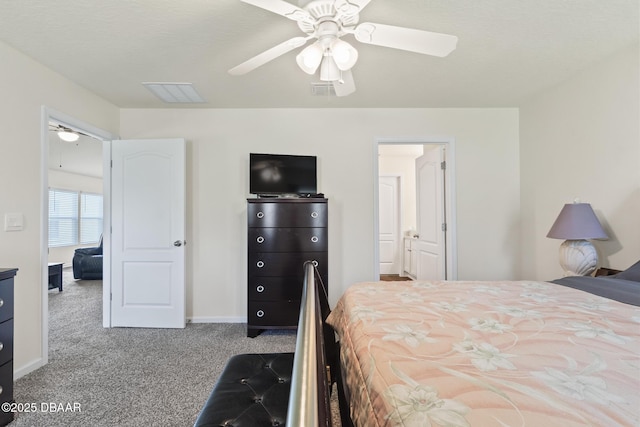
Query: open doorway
(75,197)
(415,222)
(76,168)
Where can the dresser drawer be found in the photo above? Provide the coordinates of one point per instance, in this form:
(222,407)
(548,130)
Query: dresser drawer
(6,390)
(6,382)
(273,313)
(6,299)
(287,239)
(270,264)
(297,214)
(6,341)
(274,288)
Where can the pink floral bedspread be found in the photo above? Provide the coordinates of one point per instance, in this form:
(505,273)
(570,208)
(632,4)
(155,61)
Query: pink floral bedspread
(454,354)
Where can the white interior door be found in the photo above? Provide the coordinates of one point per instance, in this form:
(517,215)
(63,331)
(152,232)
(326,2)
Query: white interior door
(430,215)
(389,218)
(148,230)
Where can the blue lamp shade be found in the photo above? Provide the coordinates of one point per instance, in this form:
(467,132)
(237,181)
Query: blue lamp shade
(577,221)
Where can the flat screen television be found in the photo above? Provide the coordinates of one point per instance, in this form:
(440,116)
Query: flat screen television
(282,174)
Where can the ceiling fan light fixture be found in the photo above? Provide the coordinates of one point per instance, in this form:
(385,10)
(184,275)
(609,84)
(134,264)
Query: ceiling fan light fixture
(310,58)
(68,136)
(343,54)
(327,21)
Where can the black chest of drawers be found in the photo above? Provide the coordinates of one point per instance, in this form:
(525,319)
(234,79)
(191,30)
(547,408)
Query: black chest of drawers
(282,234)
(6,341)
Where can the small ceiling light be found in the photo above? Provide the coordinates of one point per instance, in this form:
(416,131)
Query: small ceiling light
(344,54)
(68,135)
(310,58)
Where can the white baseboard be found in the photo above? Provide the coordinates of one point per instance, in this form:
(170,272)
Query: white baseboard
(216,319)
(21,372)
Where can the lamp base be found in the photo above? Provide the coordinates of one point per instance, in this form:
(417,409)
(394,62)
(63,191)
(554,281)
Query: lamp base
(578,257)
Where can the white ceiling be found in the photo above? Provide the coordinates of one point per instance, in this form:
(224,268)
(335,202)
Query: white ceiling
(507,49)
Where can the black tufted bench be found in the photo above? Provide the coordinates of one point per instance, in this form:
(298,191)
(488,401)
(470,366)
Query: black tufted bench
(253,390)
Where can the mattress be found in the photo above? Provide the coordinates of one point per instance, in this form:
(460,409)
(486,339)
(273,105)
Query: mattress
(464,353)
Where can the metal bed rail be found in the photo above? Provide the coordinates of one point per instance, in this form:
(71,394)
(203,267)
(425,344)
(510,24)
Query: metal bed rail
(309,403)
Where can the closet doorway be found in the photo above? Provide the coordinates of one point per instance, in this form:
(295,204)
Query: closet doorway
(415,222)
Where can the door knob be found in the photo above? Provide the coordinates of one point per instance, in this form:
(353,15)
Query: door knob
(177,243)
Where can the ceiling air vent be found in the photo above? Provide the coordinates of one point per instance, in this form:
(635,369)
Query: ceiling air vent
(175,93)
(322,89)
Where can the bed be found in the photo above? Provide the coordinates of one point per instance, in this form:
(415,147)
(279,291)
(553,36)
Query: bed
(503,353)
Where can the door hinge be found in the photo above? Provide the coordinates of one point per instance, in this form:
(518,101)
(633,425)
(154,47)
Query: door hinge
(444,226)
(443,165)
(111,164)
(110,297)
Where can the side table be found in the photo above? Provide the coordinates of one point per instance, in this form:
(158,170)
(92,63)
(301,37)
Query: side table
(606,271)
(55,276)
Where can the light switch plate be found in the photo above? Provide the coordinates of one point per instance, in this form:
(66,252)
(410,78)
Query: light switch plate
(13,222)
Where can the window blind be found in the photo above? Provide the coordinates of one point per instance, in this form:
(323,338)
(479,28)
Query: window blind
(74,218)
(90,218)
(63,218)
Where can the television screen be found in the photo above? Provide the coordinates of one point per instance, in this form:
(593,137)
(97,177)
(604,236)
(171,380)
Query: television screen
(277,174)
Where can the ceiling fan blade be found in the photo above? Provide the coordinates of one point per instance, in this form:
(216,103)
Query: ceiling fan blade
(418,41)
(346,85)
(282,8)
(268,55)
(350,7)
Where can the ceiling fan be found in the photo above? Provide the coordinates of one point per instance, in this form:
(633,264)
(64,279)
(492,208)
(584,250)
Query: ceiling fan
(327,21)
(65,133)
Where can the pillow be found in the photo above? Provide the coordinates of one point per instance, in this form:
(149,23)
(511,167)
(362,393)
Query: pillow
(632,273)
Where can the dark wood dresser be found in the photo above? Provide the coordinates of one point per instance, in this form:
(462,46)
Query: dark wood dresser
(283,233)
(6,340)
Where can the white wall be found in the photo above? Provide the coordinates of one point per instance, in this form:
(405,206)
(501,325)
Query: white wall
(26,86)
(582,139)
(219,143)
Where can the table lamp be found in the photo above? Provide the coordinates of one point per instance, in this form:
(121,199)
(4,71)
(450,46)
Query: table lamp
(576,223)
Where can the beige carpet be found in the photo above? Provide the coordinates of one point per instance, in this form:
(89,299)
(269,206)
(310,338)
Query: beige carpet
(128,376)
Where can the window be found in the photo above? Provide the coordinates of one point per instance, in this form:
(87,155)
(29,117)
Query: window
(63,218)
(74,218)
(90,218)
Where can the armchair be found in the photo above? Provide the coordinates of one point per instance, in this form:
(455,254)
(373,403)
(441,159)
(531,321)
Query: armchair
(87,263)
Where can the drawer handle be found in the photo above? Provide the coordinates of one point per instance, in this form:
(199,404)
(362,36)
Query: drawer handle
(260,288)
(1,346)
(315,263)
(314,239)
(1,389)
(260,313)
(260,214)
(260,264)
(1,302)
(314,214)
(260,239)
